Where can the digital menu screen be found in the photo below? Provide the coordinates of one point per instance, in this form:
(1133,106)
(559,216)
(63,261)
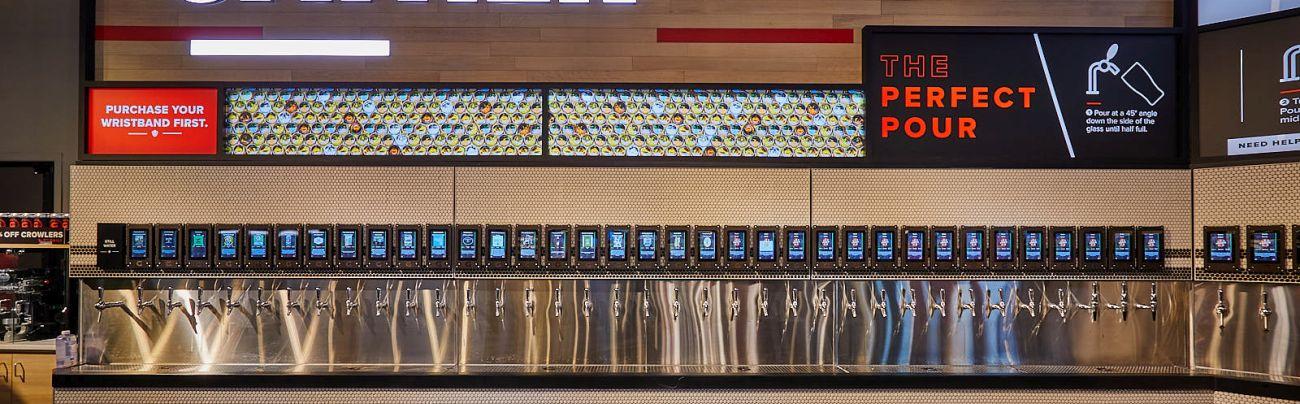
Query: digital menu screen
(915,246)
(974,246)
(1092,250)
(378,245)
(1152,246)
(677,245)
(407,244)
(1033,246)
(587,245)
(766,245)
(708,245)
(528,245)
(497,241)
(856,249)
(348,244)
(884,246)
(259,244)
(559,245)
(1263,246)
(1063,247)
(826,246)
(468,245)
(228,244)
(288,244)
(796,245)
(617,244)
(198,244)
(383,122)
(139,244)
(438,244)
(706,122)
(317,244)
(1221,246)
(1123,247)
(168,244)
(943,246)
(647,245)
(736,245)
(1003,249)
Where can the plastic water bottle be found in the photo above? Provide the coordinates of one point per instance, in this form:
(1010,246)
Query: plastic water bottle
(65,349)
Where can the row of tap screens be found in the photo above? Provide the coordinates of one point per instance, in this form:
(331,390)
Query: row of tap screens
(293,246)
(1265,250)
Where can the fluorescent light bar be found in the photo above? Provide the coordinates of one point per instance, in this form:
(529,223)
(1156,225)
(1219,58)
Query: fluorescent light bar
(286,47)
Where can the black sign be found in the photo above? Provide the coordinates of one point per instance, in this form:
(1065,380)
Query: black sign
(1250,89)
(1010,98)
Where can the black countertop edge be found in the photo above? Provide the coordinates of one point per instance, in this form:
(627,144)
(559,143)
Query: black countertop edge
(1256,388)
(633,381)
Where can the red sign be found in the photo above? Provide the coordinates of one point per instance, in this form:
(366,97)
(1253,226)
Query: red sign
(152,121)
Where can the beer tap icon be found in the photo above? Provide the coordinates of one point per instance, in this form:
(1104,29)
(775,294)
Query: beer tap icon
(1104,65)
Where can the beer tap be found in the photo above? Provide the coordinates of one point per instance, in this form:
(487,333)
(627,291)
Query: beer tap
(823,302)
(499,304)
(320,304)
(139,298)
(704,302)
(762,303)
(528,302)
(880,305)
(1061,305)
(618,302)
(1031,306)
(1221,308)
(559,302)
(677,304)
(963,305)
(172,303)
(645,302)
(290,303)
(1094,304)
(439,302)
(907,302)
(735,303)
(409,304)
(989,307)
(102,305)
(1122,307)
(1152,304)
(381,302)
(941,304)
(199,303)
(259,304)
(231,303)
(471,299)
(586,302)
(1264,311)
(793,303)
(853,303)
(350,303)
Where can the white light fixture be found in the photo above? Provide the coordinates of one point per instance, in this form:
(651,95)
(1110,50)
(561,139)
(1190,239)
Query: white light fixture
(288,47)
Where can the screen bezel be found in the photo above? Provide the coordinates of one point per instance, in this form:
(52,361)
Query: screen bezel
(197,263)
(1081,248)
(656,250)
(608,248)
(338,242)
(447,250)
(696,257)
(216,242)
(1063,264)
(908,262)
(817,247)
(686,249)
(169,263)
(875,260)
(461,260)
(992,249)
(567,248)
(396,243)
(507,239)
(1044,253)
(955,241)
(778,245)
(279,244)
(747,235)
(866,248)
(577,245)
(970,264)
(247,240)
(1151,265)
(1281,245)
(1111,259)
(329,246)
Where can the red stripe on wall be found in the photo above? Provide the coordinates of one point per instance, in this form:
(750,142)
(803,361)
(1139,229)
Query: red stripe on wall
(150,33)
(756,35)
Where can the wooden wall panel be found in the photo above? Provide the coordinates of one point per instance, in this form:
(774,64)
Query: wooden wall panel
(437,41)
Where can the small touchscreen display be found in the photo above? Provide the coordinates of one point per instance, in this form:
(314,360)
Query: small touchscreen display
(825,246)
(1002,248)
(407,244)
(647,245)
(587,245)
(708,245)
(736,245)
(1263,246)
(228,244)
(974,246)
(559,245)
(168,247)
(1033,246)
(139,244)
(766,245)
(884,246)
(1152,246)
(915,246)
(1221,245)
(378,245)
(288,244)
(943,246)
(617,244)
(348,244)
(856,249)
(676,245)
(1064,246)
(796,245)
(1123,247)
(198,244)
(438,244)
(1092,246)
(317,244)
(497,245)
(528,245)
(468,245)
(258,244)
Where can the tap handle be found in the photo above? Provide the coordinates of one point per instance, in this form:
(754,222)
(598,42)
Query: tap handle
(586,302)
(762,303)
(677,304)
(704,302)
(1264,311)
(559,302)
(735,303)
(618,302)
(853,303)
(645,302)
(794,301)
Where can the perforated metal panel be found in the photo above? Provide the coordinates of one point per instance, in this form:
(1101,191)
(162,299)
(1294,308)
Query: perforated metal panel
(1267,194)
(1013,198)
(632,396)
(1221,397)
(667,196)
